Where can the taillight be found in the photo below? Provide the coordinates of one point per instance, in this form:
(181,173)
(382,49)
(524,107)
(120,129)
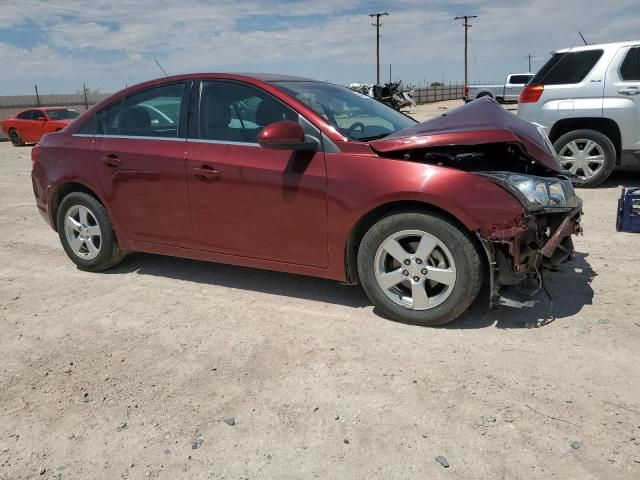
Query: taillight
(531,94)
(35,153)
(466,91)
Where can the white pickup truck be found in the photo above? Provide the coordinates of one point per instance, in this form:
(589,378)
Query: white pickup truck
(509,92)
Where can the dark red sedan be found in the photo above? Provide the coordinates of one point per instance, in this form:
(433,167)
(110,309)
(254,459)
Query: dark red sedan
(307,177)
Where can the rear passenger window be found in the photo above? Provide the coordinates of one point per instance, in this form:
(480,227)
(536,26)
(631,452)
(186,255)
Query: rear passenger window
(151,113)
(108,119)
(630,68)
(25,115)
(566,68)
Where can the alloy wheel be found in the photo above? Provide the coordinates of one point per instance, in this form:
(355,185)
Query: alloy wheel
(415,269)
(82,232)
(582,157)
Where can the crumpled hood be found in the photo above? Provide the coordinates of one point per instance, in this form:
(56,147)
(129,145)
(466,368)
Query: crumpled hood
(479,122)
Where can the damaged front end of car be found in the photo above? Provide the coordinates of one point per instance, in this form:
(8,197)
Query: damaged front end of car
(543,238)
(485,140)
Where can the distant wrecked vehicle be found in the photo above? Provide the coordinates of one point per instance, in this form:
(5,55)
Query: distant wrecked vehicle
(391,94)
(28,126)
(306,177)
(509,91)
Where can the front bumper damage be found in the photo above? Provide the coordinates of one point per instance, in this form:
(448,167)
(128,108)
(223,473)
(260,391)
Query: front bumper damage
(542,241)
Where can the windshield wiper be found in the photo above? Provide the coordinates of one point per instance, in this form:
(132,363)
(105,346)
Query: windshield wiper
(373,137)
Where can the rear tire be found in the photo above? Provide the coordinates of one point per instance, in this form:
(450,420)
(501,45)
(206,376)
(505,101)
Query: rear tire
(86,233)
(571,148)
(16,139)
(419,289)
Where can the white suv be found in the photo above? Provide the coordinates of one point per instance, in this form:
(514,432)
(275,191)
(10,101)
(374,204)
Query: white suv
(588,100)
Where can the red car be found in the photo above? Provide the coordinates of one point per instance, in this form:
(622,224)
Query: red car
(30,125)
(307,177)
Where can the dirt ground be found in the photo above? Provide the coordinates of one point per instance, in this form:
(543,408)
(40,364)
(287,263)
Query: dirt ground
(123,374)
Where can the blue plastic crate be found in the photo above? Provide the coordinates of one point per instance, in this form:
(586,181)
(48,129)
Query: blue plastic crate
(629,211)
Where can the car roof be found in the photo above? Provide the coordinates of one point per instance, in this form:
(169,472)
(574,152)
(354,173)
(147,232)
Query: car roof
(595,46)
(251,77)
(44,108)
(275,77)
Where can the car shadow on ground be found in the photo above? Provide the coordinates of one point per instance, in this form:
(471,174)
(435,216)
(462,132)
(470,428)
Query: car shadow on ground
(570,290)
(243,278)
(621,179)
(570,287)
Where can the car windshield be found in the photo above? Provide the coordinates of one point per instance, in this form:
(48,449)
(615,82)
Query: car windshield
(356,115)
(62,114)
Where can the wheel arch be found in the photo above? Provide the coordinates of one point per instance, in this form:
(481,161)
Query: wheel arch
(65,189)
(371,217)
(603,125)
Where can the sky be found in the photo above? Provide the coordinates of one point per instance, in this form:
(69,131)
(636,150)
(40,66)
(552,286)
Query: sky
(108,44)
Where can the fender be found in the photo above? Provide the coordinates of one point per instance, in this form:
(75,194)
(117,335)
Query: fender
(51,193)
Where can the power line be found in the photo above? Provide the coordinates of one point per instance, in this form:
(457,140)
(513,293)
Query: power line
(377,25)
(466,26)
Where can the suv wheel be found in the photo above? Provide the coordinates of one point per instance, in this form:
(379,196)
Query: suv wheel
(588,154)
(418,268)
(86,233)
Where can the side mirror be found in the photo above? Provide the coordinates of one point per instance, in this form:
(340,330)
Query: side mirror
(285,135)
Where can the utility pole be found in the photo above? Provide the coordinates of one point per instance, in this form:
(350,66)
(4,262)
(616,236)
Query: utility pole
(530,57)
(377,25)
(466,26)
(86,100)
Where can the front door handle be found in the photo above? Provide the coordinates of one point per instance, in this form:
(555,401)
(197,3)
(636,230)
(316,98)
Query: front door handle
(630,91)
(111,160)
(206,173)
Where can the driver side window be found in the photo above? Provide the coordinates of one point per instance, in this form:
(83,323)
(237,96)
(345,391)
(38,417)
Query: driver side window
(234,112)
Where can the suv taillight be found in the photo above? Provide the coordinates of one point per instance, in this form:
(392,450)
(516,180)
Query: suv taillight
(35,153)
(466,91)
(531,94)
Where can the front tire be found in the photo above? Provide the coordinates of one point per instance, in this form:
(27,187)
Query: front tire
(419,268)
(16,139)
(86,233)
(588,154)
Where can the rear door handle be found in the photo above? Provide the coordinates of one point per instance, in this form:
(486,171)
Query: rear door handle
(111,160)
(206,173)
(630,91)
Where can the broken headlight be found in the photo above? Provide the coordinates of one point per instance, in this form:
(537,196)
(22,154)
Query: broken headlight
(537,193)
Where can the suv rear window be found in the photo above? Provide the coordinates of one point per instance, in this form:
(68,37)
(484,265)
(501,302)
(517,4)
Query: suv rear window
(566,68)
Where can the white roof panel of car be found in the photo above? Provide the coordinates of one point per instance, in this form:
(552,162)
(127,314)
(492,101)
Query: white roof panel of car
(581,48)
